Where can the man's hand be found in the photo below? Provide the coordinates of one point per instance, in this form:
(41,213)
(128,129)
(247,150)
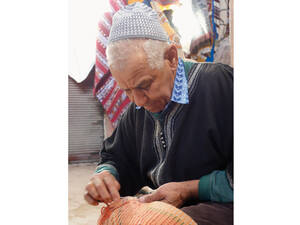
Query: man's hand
(174,193)
(103,187)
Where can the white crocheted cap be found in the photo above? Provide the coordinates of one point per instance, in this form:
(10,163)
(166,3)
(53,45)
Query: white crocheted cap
(136,20)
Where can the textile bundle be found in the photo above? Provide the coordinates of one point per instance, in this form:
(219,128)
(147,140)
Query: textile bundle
(215,13)
(129,211)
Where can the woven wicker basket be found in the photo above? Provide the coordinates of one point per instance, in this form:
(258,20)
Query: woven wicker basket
(129,211)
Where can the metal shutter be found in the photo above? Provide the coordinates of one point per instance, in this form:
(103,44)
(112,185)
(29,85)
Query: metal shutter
(85,124)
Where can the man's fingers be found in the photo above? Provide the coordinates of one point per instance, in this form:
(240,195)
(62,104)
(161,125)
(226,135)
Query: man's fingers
(102,190)
(90,199)
(117,184)
(91,189)
(155,196)
(102,187)
(112,187)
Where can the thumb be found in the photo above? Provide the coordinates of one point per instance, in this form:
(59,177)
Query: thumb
(155,196)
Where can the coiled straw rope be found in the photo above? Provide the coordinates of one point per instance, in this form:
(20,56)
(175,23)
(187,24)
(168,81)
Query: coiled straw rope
(129,211)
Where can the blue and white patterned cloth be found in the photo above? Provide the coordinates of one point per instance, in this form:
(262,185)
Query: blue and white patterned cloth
(180,88)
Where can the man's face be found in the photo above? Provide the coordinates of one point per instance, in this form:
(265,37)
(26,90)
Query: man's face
(146,87)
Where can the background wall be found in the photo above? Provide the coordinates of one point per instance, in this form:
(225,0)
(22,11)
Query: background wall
(86,115)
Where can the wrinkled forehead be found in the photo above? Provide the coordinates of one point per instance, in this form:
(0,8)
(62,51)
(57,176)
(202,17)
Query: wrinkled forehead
(119,53)
(132,71)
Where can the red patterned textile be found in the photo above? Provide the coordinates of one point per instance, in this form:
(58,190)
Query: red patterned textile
(112,98)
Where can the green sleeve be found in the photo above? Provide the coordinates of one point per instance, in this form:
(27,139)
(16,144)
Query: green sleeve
(109,168)
(215,187)
(187,67)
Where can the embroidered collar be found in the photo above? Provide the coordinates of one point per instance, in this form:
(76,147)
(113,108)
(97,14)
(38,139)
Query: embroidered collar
(180,89)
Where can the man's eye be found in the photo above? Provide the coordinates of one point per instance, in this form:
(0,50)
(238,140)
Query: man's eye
(128,91)
(146,87)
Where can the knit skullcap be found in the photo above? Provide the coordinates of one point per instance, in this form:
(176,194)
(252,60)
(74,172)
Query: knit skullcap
(136,20)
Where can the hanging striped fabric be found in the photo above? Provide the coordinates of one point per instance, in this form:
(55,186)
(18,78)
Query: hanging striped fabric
(112,98)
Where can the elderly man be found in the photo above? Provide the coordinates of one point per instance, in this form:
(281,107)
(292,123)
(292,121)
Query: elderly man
(177,135)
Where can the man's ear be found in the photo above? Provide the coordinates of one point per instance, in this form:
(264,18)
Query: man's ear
(172,56)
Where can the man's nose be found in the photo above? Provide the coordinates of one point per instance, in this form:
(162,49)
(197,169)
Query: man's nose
(139,98)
